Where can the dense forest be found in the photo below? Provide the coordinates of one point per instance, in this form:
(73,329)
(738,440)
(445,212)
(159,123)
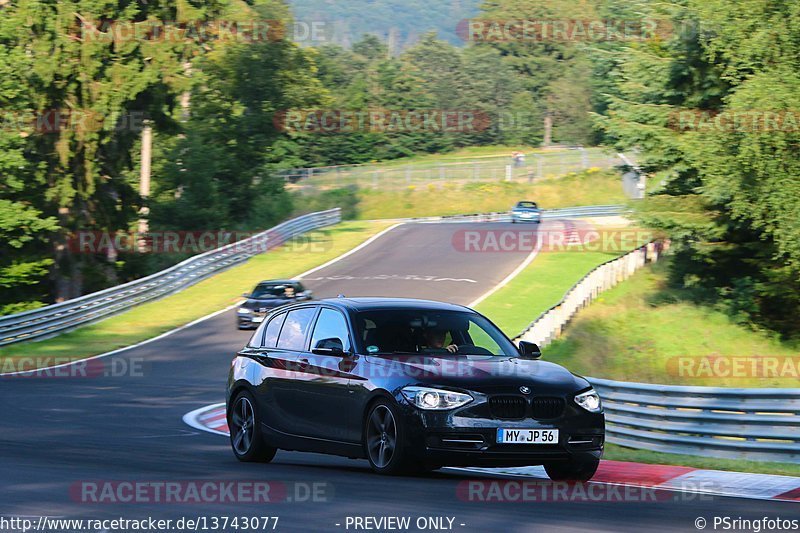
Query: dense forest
(216,109)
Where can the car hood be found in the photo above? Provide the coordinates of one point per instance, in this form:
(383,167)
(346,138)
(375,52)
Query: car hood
(255,303)
(488,375)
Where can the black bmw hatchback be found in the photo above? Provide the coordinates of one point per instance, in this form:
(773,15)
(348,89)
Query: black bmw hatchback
(408,385)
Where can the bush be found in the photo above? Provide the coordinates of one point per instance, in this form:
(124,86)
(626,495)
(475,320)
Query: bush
(345,198)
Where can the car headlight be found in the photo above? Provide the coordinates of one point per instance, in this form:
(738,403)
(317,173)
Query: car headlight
(435,399)
(243,311)
(590,401)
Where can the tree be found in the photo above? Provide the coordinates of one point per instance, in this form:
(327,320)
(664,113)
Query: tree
(221,175)
(89,87)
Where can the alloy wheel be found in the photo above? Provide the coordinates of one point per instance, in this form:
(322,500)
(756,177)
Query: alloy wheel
(381,436)
(243,425)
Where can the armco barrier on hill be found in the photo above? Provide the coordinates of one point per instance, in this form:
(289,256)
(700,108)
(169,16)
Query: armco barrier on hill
(54,319)
(748,424)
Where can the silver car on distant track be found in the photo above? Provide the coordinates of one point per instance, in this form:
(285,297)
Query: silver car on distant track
(526,211)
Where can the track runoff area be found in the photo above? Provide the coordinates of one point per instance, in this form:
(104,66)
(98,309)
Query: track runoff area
(146,450)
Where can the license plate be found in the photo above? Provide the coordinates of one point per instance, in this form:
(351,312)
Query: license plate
(258,319)
(527,436)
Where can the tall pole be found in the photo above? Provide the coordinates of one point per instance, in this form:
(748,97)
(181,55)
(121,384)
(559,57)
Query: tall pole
(144,182)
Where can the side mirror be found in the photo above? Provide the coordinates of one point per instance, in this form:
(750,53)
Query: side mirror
(529,350)
(246,295)
(332,346)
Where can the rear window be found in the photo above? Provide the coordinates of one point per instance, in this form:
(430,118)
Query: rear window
(531,205)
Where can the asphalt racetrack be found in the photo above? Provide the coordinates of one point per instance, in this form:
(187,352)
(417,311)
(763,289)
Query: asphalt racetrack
(59,436)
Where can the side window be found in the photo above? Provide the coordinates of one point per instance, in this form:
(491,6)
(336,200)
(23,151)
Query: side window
(273,328)
(482,339)
(293,333)
(331,325)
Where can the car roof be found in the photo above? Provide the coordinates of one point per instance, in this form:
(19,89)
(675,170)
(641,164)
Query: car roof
(370,304)
(278,282)
(526,202)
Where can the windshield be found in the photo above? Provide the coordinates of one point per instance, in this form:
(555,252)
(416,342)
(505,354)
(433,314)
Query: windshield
(422,331)
(531,205)
(272,291)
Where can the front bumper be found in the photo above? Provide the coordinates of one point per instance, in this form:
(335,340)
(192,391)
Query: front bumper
(249,321)
(535,218)
(467,437)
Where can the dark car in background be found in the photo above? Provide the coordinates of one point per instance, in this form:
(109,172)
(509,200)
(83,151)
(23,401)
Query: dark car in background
(526,211)
(267,296)
(408,385)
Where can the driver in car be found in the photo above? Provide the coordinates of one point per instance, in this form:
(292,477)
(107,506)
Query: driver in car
(434,338)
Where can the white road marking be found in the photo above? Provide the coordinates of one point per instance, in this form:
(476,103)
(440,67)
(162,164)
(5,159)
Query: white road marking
(712,482)
(190,324)
(351,252)
(382,277)
(528,260)
(126,348)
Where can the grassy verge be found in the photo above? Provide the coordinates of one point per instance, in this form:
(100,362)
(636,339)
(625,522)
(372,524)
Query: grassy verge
(539,287)
(643,331)
(620,453)
(625,335)
(591,187)
(151,319)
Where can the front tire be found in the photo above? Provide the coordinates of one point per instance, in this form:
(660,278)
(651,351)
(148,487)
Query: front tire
(384,440)
(244,423)
(578,469)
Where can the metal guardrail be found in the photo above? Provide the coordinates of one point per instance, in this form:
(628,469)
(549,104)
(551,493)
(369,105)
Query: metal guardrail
(58,318)
(754,424)
(505,216)
(549,325)
(748,424)
(54,319)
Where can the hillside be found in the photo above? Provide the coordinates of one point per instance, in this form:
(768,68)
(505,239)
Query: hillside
(400,22)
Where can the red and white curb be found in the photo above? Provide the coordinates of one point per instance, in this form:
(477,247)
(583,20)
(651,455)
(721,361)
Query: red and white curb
(659,477)
(210,418)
